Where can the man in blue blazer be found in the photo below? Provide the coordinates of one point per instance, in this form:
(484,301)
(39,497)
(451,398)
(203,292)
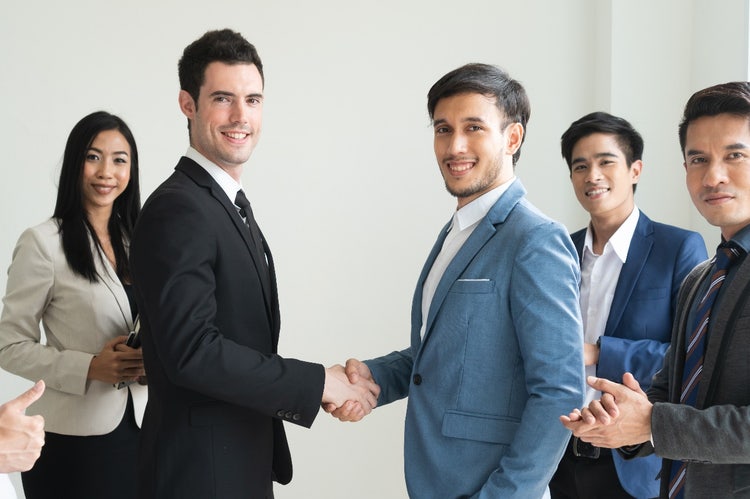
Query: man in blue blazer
(496,339)
(631,270)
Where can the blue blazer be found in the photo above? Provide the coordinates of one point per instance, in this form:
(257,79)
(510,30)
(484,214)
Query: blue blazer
(640,320)
(500,361)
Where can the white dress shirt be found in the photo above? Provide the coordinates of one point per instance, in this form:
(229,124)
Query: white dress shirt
(464,222)
(229,185)
(599,276)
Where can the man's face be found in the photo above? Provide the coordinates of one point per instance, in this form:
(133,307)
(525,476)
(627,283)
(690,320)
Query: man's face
(717,166)
(473,150)
(226,120)
(601,178)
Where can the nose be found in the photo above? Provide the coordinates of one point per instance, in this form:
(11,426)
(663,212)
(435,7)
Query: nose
(239,112)
(457,144)
(715,174)
(106,168)
(593,174)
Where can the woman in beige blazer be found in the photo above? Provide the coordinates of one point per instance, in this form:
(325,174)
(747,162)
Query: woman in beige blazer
(71,273)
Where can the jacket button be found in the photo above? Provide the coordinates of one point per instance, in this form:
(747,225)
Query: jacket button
(417,379)
(280,413)
(296,417)
(288,414)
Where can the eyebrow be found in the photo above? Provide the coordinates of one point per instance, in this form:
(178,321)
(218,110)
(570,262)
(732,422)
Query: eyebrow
(96,149)
(231,94)
(731,147)
(469,119)
(596,156)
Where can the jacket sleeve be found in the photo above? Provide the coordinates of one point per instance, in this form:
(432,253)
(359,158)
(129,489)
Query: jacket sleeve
(30,291)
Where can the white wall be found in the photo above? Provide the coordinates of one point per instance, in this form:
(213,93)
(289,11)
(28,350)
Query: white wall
(344,181)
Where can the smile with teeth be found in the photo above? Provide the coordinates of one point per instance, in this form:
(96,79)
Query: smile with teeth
(597,192)
(460,166)
(236,135)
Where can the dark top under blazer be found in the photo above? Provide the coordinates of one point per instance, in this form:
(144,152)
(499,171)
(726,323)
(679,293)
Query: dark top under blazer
(218,390)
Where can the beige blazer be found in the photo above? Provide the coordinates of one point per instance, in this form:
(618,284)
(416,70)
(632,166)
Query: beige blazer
(78,317)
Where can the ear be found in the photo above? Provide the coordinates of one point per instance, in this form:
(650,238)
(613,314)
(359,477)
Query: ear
(513,138)
(187,104)
(635,171)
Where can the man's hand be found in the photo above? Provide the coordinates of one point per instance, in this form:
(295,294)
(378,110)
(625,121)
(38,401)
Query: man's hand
(621,417)
(354,397)
(21,436)
(358,374)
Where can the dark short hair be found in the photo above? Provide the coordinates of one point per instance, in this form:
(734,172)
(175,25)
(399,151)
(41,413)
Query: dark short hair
(488,80)
(225,46)
(730,98)
(74,225)
(627,137)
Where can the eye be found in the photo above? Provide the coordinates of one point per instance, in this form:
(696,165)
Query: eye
(92,157)
(696,160)
(121,160)
(474,128)
(221,98)
(579,167)
(736,155)
(441,130)
(254,101)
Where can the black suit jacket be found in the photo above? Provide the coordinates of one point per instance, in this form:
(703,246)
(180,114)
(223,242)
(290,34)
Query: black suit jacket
(217,389)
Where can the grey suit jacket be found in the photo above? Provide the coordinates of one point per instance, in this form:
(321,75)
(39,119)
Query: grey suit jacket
(79,317)
(714,436)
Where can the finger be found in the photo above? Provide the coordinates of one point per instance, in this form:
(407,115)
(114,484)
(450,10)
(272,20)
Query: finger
(610,405)
(629,380)
(115,341)
(28,397)
(604,385)
(597,410)
(352,370)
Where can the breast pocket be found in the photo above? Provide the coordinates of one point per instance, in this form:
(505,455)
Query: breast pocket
(473,286)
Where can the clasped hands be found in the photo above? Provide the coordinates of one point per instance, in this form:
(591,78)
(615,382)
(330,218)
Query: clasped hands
(350,393)
(622,417)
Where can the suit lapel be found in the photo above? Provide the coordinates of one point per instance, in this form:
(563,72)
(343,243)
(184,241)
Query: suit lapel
(731,298)
(204,179)
(640,247)
(482,233)
(108,277)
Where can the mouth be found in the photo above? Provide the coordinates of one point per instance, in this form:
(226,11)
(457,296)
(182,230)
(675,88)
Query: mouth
(103,189)
(459,166)
(717,198)
(236,136)
(597,192)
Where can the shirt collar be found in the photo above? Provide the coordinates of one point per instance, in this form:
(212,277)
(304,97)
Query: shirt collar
(742,238)
(620,240)
(473,212)
(229,185)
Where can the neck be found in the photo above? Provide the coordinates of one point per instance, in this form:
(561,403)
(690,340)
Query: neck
(603,228)
(99,220)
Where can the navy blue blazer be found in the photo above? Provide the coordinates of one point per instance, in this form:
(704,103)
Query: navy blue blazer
(639,326)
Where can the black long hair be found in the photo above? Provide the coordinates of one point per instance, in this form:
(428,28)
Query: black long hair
(74,224)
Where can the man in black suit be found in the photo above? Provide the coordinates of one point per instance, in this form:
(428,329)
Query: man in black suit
(206,291)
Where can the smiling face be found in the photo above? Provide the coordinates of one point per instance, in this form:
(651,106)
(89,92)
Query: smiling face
(717,166)
(106,171)
(225,123)
(602,179)
(473,149)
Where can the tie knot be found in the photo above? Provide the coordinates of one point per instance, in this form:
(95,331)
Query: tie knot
(726,254)
(241,200)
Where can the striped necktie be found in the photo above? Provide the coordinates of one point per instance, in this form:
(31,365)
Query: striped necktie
(695,348)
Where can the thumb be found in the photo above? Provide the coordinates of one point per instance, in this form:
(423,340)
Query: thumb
(352,371)
(28,397)
(629,380)
(603,385)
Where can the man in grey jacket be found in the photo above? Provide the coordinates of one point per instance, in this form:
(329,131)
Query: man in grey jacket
(696,415)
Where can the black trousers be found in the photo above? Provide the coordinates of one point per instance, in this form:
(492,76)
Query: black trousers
(91,467)
(586,478)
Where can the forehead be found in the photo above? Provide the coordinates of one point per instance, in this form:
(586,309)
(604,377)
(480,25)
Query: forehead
(467,105)
(719,130)
(240,79)
(597,143)
(110,139)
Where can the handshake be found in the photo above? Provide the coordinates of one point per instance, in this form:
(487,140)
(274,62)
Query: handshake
(350,393)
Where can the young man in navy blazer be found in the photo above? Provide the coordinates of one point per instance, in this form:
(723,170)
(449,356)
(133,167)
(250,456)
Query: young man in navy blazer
(631,270)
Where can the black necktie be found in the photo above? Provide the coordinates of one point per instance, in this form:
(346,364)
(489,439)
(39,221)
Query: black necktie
(247,213)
